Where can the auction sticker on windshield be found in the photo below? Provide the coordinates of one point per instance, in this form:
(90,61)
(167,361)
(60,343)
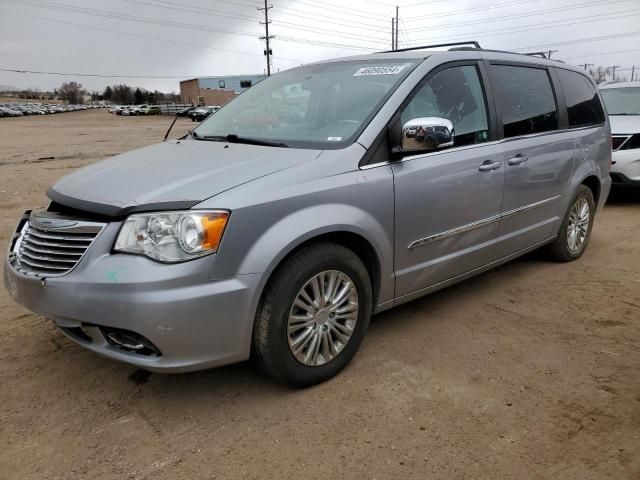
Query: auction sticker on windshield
(379,70)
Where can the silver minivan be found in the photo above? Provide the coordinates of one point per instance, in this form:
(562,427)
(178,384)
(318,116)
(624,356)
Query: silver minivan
(318,197)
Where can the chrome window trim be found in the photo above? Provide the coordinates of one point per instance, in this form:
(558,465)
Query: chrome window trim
(626,139)
(479,223)
(430,154)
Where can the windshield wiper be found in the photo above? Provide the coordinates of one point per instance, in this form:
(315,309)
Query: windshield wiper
(233,138)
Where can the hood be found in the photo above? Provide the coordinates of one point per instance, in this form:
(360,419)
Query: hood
(171,175)
(624,124)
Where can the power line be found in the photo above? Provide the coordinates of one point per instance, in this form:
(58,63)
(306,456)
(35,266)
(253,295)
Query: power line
(422,3)
(323,43)
(315,16)
(332,21)
(540,26)
(189,9)
(603,53)
(136,35)
(522,15)
(218,13)
(127,17)
(464,11)
(187,26)
(579,40)
(15,70)
(340,9)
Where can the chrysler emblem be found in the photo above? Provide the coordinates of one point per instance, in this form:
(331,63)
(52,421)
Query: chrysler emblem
(51,223)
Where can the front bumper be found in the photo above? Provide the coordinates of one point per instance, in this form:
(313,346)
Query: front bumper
(194,322)
(626,166)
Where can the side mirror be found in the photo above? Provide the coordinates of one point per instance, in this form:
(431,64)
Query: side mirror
(428,133)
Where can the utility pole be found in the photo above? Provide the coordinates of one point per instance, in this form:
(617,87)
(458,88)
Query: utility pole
(550,52)
(633,72)
(613,74)
(397,27)
(267,37)
(585,65)
(393,33)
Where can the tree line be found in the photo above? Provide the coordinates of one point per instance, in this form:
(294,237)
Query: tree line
(124,94)
(74,93)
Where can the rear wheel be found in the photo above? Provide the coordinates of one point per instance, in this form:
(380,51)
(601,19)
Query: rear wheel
(314,315)
(575,230)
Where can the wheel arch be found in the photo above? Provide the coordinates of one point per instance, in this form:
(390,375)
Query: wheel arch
(348,239)
(593,182)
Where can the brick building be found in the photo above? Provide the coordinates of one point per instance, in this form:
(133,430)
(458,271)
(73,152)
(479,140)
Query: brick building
(215,90)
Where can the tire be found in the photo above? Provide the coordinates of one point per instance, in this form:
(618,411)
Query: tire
(273,344)
(562,249)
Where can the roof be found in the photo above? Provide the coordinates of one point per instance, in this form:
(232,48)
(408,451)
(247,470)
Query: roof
(424,52)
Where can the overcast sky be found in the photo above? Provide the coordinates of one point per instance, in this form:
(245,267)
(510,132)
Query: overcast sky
(189,38)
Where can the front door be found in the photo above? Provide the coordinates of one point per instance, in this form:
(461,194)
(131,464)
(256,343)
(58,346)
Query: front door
(447,202)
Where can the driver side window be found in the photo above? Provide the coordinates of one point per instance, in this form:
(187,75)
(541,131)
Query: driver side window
(455,94)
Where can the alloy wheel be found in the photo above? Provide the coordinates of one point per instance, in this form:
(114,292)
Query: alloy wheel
(322,318)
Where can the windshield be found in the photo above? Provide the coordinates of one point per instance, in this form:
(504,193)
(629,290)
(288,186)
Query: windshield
(622,101)
(316,106)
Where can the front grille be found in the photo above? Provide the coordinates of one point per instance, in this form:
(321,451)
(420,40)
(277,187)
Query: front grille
(49,245)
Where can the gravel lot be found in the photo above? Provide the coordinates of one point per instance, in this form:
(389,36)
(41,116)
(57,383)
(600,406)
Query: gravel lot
(529,371)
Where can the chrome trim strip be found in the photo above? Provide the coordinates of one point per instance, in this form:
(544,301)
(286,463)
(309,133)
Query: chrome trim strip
(454,231)
(530,206)
(480,223)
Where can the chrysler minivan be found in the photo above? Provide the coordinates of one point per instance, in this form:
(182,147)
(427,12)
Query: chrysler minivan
(318,197)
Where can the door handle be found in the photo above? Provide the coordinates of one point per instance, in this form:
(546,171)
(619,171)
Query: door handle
(518,159)
(489,165)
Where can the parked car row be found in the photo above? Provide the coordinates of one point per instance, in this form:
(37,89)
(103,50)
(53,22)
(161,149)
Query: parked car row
(134,110)
(198,114)
(22,109)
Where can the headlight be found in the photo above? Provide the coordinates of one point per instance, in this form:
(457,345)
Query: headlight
(172,236)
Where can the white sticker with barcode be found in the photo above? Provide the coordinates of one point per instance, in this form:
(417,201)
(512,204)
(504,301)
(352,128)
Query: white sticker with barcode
(379,70)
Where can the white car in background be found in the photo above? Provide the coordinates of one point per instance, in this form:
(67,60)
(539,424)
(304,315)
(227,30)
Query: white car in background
(623,106)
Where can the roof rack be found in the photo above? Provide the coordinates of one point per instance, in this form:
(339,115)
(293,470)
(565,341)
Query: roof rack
(438,45)
(536,54)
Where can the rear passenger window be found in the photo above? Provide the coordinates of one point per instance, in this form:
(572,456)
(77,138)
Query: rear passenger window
(527,99)
(583,104)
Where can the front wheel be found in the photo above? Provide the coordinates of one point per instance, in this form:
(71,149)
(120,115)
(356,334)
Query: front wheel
(575,230)
(314,315)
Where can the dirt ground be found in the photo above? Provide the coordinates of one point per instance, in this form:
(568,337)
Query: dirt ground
(529,371)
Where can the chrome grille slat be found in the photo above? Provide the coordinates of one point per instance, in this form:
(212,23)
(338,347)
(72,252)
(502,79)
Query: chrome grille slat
(66,238)
(39,265)
(43,258)
(28,238)
(49,245)
(44,251)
